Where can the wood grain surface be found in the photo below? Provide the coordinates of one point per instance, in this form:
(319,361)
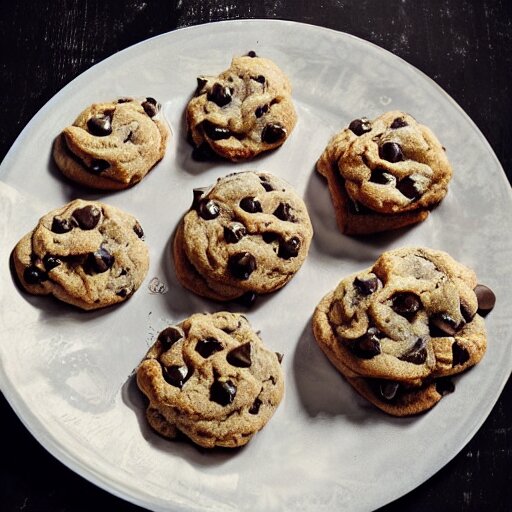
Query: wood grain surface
(465,46)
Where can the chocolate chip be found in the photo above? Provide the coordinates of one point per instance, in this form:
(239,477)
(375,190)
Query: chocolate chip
(265,184)
(255,407)
(380,176)
(137,229)
(124,100)
(87,217)
(388,389)
(99,261)
(242,265)
(263,109)
(222,393)
(444,386)
(368,345)
(208,210)
(215,132)
(407,187)
(289,248)
(441,325)
(175,375)
(270,237)
(60,225)
(151,107)
(460,355)
(399,122)
(50,262)
(251,54)
(169,336)
(208,346)
(391,151)
(406,304)
(360,126)
(486,299)
(100,125)
(98,166)
(259,78)
(201,82)
(366,286)
(240,356)
(219,94)
(123,292)
(279,357)
(417,354)
(284,212)
(272,133)
(250,205)
(34,275)
(234,232)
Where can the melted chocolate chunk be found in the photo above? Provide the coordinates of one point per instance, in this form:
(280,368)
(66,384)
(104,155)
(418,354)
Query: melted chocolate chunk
(87,217)
(380,176)
(272,133)
(406,304)
(284,212)
(368,345)
(260,78)
(234,232)
(486,299)
(215,132)
(175,375)
(50,262)
(441,325)
(407,187)
(360,126)
(100,125)
(169,336)
(391,151)
(270,237)
(124,100)
(34,275)
(388,389)
(198,194)
(201,82)
(60,225)
(263,109)
(240,356)
(208,210)
(367,286)
(251,54)
(219,94)
(151,107)
(222,393)
(250,205)
(265,184)
(241,265)
(98,166)
(247,299)
(289,248)
(460,355)
(444,386)
(255,407)
(399,122)
(417,354)
(123,292)
(466,313)
(208,346)
(99,261)
(279,357)
(137,229)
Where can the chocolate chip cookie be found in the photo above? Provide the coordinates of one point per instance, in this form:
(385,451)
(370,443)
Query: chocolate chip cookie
(212,379)
(112,146)
(398,330)
(86,253)
(247,234)
(384,174)
(244,111)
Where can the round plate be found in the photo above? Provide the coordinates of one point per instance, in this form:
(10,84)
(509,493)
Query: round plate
(69,374)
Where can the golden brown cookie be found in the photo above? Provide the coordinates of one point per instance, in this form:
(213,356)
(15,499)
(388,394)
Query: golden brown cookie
(397,330)
(211,378)
(244,111)
(384,174)
(112,146)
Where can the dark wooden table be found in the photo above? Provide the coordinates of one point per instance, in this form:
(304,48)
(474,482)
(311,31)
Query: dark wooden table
(465,46)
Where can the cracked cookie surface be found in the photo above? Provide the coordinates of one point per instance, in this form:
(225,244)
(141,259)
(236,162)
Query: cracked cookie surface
(112,146)
(248,233)
(384,174)
(86,253)
(211,378)
(244,111)
(397,330)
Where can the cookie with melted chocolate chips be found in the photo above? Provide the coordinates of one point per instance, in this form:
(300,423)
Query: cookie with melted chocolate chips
(211,378)
(248,234)
(112,146)
(86,253)
(398,330)
(244,111)
(384,174)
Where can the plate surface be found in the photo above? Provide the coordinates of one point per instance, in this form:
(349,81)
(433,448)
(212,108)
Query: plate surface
(68,374)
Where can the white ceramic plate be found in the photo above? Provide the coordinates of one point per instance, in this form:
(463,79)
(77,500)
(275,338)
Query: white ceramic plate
(67,373)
